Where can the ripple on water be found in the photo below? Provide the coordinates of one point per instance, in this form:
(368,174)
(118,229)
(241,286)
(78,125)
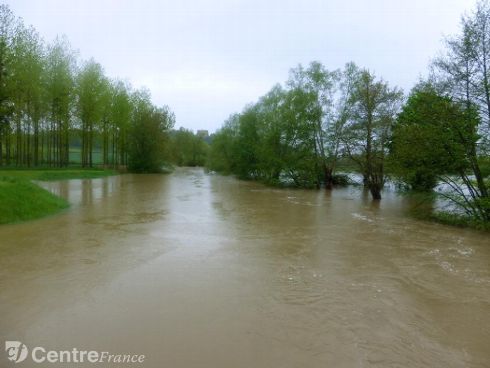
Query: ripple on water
(361,217)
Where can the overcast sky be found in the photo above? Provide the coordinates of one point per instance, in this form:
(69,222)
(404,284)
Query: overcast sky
(206,59)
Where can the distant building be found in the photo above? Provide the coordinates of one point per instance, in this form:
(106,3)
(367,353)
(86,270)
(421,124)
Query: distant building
(202,133)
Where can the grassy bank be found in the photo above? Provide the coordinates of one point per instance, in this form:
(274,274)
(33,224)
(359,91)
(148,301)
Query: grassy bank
(422,208)
(22,200)
(459,220)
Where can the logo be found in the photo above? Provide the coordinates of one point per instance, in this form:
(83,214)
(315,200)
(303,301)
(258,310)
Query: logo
(16,351)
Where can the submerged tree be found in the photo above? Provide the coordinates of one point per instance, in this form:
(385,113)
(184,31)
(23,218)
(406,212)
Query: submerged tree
(435,140)
(293,134)
(321,85)
(296,134)
(374,106)
(464,70)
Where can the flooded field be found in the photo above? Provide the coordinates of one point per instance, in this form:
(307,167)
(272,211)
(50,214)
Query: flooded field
(198,270)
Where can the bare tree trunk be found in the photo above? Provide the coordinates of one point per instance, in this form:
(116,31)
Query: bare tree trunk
(90,145)
(328,177)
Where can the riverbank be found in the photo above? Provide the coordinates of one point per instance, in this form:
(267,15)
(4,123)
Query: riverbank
(22,200)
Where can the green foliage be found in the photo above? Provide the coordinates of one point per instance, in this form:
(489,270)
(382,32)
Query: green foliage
(247,144)
(435,140)
(373,107)
(426,132)
(220,154)
(7,21)
(149,130)
(22,200)
(48,101)
(278,140)
(187,149)
(59,87)
(25,88)
(119,124)
(434,132)
(484,164)
(433,135)
(462,71)
(295,135)
(91,93)
(454,219)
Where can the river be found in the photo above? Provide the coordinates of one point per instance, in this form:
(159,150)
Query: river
(198,270)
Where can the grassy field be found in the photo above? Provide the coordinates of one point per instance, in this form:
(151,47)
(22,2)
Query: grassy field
(75,156)
(22,200)
(56,174)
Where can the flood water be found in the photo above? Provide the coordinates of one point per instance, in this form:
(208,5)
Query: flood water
(198,270)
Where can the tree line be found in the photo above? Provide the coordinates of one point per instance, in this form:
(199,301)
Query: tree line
(437,138)
(51,103)
(297,132)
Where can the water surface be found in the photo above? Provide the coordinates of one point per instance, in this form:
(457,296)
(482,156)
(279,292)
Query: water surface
(197,270)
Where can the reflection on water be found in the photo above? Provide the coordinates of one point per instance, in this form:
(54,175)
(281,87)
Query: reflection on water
(197,270)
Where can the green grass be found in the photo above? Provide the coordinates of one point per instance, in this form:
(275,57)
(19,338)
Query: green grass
(21,200)
(460,221)
(56,174)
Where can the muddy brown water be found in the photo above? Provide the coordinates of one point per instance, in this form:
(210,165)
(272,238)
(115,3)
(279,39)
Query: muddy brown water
(198,270)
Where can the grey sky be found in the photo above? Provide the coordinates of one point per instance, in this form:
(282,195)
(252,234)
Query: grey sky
(206,59)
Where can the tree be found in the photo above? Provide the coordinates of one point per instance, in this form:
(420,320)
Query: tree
(187,148)
(27,70)
(45,100)
(106,124)
(322,85)
(246,145)
(273,148)
(120,119)
(272,140)
(59,86)
(463,72)
(301,158)
(435,140)
(296,134)
(220,156)
(150,126)
(373,109)
(90,88)
(8,25)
